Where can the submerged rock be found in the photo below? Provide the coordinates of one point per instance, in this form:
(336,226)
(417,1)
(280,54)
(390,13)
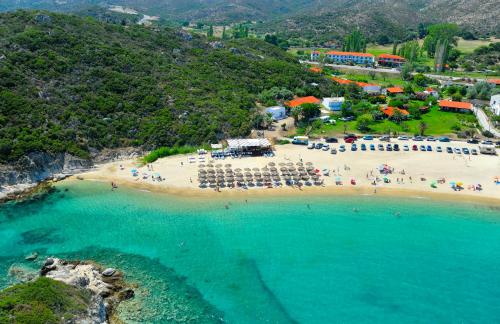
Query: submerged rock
(108,272)
(32,257)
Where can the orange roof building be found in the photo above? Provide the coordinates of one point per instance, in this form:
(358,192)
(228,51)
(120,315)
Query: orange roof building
(316,69)
(390,60)
(302,100)
(389,111)
(341,81)
(394,90)
(455,105)
(494,81)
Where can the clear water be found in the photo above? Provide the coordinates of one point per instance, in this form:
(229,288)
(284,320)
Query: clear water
(272,260)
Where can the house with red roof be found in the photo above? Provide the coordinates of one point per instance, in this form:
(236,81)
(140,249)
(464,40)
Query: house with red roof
(302,100)
(393,91)
(432,92)
(316,69)
(390,60)
(494,81)
(389,111)
(456,106)
(367,87)
(350,57)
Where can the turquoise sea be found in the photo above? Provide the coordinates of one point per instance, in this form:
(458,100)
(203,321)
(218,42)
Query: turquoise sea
(301,259)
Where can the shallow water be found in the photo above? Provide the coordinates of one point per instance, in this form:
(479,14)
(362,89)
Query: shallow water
(272,260)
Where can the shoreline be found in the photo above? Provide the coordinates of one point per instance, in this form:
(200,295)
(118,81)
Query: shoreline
(322,191)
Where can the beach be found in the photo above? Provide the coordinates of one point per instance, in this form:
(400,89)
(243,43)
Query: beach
(412,173)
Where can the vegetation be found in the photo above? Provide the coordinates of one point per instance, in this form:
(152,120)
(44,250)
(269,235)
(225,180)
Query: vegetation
(355,42)
(70,84)
(168,151)
(42,301)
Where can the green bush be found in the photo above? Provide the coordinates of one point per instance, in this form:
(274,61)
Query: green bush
(42,301)
(168,151)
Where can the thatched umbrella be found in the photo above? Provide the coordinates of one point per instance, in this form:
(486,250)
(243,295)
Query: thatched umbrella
(281,164)
(228,165)
(255,169)
(248,169)
(299,164)
(202,171)
(294,173)
(218,165)
(290,164)
(283,169)
(273,169)
(291,169)
(219,171)
(264,169)
(210,165)
(201,165)
(238,170)
(271,164)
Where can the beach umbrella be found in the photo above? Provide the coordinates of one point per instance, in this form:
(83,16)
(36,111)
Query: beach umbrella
(273,169)
(283,169)
(237,170)
(255,169)
(201,165)
(309,163)
(202,171)
(299,164)
(248,169)
(228,165)
(290,164)
(265,169)
(210,165)
(281,164)
(218,165)
(271,164)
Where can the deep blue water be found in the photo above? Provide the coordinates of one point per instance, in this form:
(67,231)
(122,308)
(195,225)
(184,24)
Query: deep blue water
(272,260)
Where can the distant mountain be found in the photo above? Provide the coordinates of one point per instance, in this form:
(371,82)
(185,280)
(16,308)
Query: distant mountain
(310,17)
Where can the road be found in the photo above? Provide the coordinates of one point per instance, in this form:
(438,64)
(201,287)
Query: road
(484,121)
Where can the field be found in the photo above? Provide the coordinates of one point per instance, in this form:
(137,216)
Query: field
(438,123)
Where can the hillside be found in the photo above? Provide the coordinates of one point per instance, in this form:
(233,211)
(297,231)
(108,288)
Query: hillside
(316,19)
(71,84)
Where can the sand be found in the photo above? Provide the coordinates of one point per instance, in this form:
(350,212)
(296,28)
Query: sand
(181,176)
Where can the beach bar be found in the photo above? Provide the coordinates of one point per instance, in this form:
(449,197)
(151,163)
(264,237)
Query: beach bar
(249,146)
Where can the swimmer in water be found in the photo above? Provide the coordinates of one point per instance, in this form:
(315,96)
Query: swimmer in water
(355,210)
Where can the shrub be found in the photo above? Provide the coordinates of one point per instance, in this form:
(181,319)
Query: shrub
(168,151)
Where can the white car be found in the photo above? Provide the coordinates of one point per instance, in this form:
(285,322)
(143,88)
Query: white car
(325,147)
(310,146)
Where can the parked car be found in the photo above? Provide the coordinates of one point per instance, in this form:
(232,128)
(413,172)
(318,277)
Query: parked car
(414,147)
(372,147)
(354,147)
(449,150)
(318,146)
(429,148)
(418,138)
(488,142)
(403,138)
(363,147)
(349,118)
(406,148)
(385,138)
(325,147)
(473,141)
(350,136)
(439,149)
(457,151)
(431,139)
(422,148)
(388,147)
(380,147)
(331,140)
(333,151)
(444,139)
(466,151)
(311,146)
(349,140)
(473,152)
(368,137)
(396,147)
(342,148)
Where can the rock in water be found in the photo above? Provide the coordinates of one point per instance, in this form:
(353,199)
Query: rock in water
(108,272)
(32,257)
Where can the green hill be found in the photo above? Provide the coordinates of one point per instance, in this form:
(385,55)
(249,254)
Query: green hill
(71,84)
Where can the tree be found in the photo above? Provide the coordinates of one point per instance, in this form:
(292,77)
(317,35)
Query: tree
(383,40)
(395,48)
(224,34)
(422,127)
(210,32)
(296,112)
(397,116)
(355,42)
(363,122)
(422,31)
(440,33)
(268,120)
(310,111)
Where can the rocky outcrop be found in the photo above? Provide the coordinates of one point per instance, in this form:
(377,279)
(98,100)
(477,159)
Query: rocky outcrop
(37,167)
(106,285)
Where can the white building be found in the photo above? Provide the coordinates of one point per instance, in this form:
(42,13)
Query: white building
(333,104)
(495,104)
(278,112)
(315,56)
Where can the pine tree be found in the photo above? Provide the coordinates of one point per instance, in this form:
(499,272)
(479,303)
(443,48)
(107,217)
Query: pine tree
(210,32)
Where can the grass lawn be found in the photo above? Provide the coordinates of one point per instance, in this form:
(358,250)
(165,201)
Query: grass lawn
(468,46)
(438,123)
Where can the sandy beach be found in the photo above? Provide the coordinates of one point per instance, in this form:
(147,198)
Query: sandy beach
(412,173)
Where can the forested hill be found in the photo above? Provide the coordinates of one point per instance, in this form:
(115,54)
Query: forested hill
(71,84)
